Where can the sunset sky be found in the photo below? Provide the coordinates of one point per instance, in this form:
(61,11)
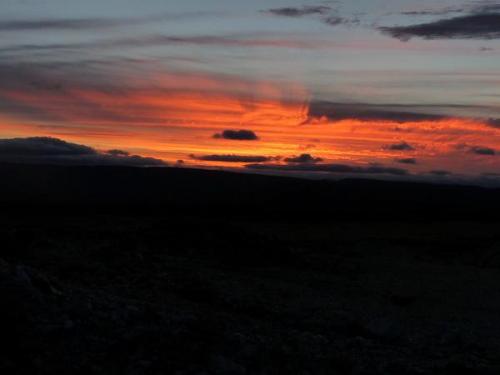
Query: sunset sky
(391,88)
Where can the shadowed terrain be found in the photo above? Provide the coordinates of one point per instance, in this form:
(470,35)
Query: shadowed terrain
(157,271)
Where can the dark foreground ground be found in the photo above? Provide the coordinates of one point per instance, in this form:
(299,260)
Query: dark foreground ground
(92,283)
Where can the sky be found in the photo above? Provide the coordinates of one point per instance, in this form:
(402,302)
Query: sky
(372,88)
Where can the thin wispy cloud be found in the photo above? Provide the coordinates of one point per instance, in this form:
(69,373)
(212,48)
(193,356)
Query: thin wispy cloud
(146,41)
(326,14)
(78,24)
(475,7)
(61,24)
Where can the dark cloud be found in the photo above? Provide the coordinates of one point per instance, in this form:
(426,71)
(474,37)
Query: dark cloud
(233,158)
(330,168)
(475,149)
(42,146)
(303,159)
(44,150)
(368,112)
(237,135)
(474,26)
(407,161)
(299,12)
(479,150)
(402,146)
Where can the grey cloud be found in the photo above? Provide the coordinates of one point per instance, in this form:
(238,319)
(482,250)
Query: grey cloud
(90,23)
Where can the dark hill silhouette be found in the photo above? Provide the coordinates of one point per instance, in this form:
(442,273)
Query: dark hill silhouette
(174,190)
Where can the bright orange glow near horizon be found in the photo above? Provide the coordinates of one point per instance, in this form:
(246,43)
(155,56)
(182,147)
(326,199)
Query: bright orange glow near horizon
(177,118)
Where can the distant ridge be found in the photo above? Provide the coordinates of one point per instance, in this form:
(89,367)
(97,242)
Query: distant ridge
(181,191)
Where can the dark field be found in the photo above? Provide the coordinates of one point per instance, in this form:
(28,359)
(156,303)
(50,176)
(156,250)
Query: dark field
(193,272)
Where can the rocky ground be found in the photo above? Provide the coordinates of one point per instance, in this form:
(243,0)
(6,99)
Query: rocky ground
(149,295)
